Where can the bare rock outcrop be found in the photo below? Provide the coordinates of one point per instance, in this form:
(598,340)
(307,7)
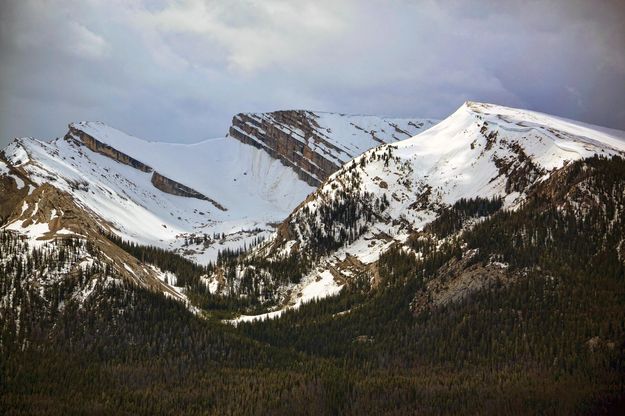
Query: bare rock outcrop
(316,144)
(104,149)
(460,278)
(287,136)
(159,181)
(175,188)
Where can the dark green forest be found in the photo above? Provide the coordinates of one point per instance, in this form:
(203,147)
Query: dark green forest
(549,341)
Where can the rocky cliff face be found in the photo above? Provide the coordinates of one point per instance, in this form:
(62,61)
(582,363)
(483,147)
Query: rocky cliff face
(317,144)
(159,181)
(175,188)
(105,149)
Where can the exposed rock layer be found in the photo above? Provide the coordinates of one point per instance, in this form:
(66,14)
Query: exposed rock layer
(286,141)
(316,145)
(159,181)
(105,149)
(175,188)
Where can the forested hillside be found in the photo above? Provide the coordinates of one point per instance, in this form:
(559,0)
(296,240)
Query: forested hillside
(544,333)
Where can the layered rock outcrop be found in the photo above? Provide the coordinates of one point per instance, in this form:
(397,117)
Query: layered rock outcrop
(285,136)
(159,181)
(175,188)
(315,144)
(105,149)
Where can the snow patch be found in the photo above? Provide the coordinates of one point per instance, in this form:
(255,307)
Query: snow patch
(315,287)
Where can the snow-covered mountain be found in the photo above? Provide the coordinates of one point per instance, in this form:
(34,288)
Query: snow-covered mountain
(199,199)
(195,199)
(245,188)
(389,194)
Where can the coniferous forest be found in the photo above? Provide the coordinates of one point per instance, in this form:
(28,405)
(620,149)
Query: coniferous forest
(549,341)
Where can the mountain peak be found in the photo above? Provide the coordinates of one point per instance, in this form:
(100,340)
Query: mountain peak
(391,193)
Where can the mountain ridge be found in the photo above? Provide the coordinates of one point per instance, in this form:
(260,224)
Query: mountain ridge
(317,143)
(388,194)
(248,189)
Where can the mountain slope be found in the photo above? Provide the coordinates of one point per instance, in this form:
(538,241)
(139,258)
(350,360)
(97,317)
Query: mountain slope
(98,186)
(389,194)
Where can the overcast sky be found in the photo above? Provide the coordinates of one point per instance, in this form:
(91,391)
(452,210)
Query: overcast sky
(178,71)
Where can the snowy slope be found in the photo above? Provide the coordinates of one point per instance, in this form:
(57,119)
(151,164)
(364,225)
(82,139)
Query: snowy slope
(354,134)
(475,152)
(50,220)
(229,172)
(393,191)
(255,189)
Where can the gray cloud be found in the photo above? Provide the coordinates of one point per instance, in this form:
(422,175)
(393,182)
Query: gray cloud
(178,71)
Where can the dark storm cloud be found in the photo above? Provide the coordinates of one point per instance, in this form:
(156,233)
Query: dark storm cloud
(179,70)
